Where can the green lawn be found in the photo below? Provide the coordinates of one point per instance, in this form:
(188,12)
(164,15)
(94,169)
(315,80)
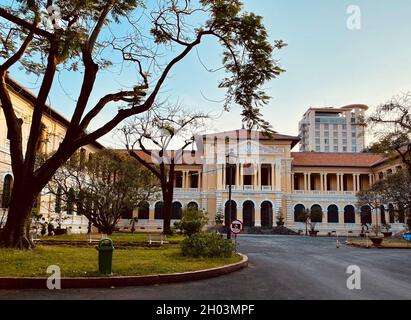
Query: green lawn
(116,237)
(75,262)
(387,243)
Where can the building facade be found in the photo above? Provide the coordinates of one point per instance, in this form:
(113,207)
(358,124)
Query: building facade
(333,130)
(269,180)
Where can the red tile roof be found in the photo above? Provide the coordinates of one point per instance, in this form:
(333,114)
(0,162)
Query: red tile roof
(318,159)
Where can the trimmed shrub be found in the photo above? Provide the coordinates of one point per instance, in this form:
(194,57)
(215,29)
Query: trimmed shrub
(207,245)
(192,222)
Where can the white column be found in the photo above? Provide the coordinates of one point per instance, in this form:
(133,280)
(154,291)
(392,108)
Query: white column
(241,176)
(321,182)
(219,176)
(259,177)
(200,181)
(309,181)
(305,182)
(257,218)
(326,182)
(354,182)
(342,182)
(237,176)
(273,176)
(278,170)
(358,182)
(338,182)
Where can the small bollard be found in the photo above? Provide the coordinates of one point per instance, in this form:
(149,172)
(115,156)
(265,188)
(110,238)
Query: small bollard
(105,250)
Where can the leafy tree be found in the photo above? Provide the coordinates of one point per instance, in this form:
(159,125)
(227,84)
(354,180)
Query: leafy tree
(371,198)
(102,189)
(391,126)
(393,189)
(76,41)
(161,127)
(310,216)
(314,214)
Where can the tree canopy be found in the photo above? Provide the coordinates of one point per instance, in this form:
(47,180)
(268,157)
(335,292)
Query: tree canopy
(103,188)
(47,37)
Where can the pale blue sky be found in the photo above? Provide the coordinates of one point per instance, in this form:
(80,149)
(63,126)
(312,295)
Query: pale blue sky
(327,64)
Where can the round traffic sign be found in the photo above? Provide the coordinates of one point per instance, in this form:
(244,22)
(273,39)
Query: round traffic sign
(236,226)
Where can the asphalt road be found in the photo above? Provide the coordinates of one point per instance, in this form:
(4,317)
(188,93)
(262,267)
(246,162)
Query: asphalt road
(280,268)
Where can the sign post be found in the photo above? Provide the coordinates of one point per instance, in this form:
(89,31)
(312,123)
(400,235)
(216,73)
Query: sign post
(236,227)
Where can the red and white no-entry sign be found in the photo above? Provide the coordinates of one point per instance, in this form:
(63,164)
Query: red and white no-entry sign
(236,226)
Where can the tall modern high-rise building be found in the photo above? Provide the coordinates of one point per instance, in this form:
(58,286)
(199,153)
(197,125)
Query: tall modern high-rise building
(333,129)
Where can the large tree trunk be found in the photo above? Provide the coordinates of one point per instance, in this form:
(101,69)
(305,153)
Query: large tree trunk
(16,231)
(168,208)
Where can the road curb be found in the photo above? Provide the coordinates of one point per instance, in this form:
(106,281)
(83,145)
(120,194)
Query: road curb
(108,282)
(363,246)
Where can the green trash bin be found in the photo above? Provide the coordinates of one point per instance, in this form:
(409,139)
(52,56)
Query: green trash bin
(105,256)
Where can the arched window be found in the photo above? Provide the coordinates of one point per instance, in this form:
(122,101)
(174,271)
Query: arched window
(233,215)
(267,214)
(365,215)
(391,212)
(382,214)
(248,214)
(159,211)
(316,214)
(127,213)
(7,188)
(349,214)
(144,210)
(192,206)
(332,214)
(176,213)
(299,211)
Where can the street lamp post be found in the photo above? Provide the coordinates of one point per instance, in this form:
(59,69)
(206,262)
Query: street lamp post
(230,183)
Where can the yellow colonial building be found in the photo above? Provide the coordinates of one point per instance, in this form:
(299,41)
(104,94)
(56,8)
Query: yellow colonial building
(269,180)
(54,130)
